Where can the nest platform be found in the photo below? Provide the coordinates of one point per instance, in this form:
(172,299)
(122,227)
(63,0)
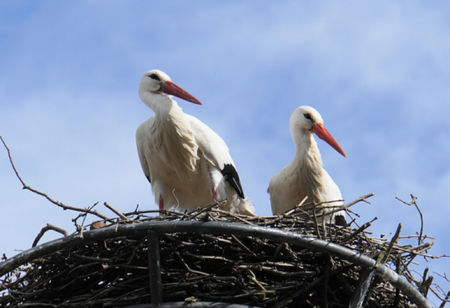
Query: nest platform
(211,256)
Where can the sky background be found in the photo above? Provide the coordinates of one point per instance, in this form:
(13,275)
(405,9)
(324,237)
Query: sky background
(377,71)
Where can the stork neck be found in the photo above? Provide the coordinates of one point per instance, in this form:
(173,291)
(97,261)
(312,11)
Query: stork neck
(161,104)
(306,150)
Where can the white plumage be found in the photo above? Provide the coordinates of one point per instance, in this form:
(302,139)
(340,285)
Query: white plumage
(186,162)
(304,176)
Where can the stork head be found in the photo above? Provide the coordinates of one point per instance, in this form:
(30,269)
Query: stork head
(159,83)
(309,120)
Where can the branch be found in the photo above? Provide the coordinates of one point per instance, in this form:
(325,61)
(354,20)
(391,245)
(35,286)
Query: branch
(55,202)
(445,300)
(382,258)
(359,230)
(414,202)
(47,228)
(362,198)
(116,211)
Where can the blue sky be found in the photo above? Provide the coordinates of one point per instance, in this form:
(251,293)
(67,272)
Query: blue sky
(377,71)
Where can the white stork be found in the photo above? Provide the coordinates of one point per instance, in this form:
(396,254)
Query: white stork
(186,162)
(304,176)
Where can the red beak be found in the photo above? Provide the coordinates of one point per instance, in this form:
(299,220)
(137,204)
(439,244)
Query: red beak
(172,89)
(325,135)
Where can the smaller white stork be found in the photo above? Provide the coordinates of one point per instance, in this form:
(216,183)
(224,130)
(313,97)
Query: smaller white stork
(186,162)
(304,176)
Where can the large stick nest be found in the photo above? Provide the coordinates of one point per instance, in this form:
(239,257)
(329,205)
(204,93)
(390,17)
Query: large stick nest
(215,268)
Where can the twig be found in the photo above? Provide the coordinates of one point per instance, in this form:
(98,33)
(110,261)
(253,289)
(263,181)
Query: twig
(58,203)
(359,230)
(243,246)
(416,236)
(116,211)
(316,224)
(446,299)
(346,207)
(362,198)
(398,265)
(424,287)
(414,202)
(207,208)
(84,215)
(300,204)
(188,267)
(238,217)
(384,255)
(47,228)
(444,276)
(258,283)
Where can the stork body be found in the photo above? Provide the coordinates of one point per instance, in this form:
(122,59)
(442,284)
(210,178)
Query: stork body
(305,176)
(186,162)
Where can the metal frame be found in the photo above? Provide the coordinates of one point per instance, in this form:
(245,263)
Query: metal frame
(191,305)
(227,228)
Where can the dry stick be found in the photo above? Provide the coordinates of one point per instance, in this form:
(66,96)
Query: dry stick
(243,246)
(445,300)
(359,230)
(323,205)
(444,276)
(290,211)
(346,206)
(235,216)
(58,203)
(209,207)
(362,198)
(385,255)
(116,211)
(424,287)
(398,264)
(258,283)
(414,202)
(424,246)
(189,268)
(47,228)
(316,224)
(416,236)
(440,295)
(84,215)
(288,299)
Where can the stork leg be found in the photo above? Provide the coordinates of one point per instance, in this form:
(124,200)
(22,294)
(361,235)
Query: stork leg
(217,185)
(161,203)
(214,194)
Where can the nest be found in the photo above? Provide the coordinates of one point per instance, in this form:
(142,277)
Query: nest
(209,267)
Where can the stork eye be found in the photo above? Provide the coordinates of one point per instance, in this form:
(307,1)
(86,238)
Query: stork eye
(307,116)
(155,77)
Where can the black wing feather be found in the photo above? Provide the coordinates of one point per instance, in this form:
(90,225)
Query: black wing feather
(231,176)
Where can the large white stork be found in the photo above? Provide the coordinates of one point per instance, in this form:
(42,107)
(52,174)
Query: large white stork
(186,162)
(304,176)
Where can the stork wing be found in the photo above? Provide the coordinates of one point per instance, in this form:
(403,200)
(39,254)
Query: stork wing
(142,145)
(216,152)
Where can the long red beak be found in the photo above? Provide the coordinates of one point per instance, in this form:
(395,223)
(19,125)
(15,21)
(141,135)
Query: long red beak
(172,89)
(325,135)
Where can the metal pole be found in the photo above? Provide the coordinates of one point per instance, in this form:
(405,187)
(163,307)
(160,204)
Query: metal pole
(360,294)
(154,268)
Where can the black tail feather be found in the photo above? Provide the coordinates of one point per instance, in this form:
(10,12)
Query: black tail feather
(231,176)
